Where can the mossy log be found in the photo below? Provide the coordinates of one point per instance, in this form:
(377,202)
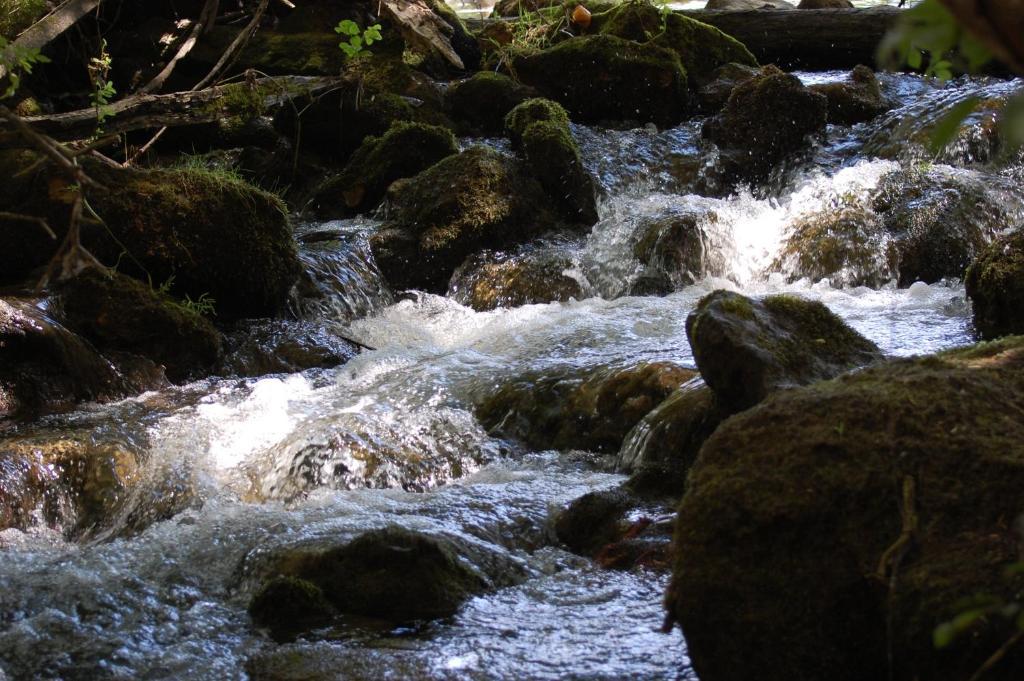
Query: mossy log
(175,109)
(806,38)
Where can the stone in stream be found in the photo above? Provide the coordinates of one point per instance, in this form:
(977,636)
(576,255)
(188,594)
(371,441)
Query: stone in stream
(995,285)
(854,100)
(278,346)
(487,281)
(539,128)
(721,82)
(405,150)
(832,530)
(675,247)
(747,349)
(480,103)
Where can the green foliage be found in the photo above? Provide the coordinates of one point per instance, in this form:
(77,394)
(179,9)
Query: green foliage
(357,39)
(17,61)
(975,611)
(102,89)
(204,306)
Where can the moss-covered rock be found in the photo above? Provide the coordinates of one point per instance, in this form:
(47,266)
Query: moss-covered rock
(720,84)
(995,285)
(675,247)
(471,201)
(540,129)
(604,78)
(765,120)
(121,314)
(592,410)
(282,346)
(828,531)
(487,281)
(392,573)
(747,349)
(701,48)
(214,234)
(405,150)
(481,102)
(857,99)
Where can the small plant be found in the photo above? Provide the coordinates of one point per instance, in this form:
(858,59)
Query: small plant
(204,305)
(357,39)
(16,61)
(102,89)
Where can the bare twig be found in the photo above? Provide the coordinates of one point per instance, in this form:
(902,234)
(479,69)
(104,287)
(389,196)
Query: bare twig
(200,26)
(997,656)
(41,222)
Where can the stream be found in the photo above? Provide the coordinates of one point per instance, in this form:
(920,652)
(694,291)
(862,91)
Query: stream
(283,460)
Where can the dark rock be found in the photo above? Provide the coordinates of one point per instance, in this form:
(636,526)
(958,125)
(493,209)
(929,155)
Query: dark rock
(789,563)
(471,201)
(765,120)
(676,247)
(854,100)
(289,605)
(487,281)
(701,48)
(721,82)
(604,78)
(591,410)
(481,102)
(748,4)
(747,349)
(279,346)
(540,129)
(406,149)
(995,285)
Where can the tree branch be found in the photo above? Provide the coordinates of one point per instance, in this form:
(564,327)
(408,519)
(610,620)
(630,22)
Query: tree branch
(41,33)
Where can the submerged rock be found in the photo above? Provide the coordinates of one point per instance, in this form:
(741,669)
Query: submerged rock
(995,285)
(405,150)
(747,349)
(766,119)
(879,502)
(591,410)
(487,281)
(854,100)
(279,346)
(471,201)
(605,78)
(675,247)
(481,102)
(540,129)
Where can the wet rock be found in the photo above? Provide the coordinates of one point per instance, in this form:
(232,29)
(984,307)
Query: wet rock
(540,129)
(207,232)
(481,102)
(605,78)
(721,82)
(45,368)
(995,285)
(660,450)
(748,4)
(393,573)
(824,4)
(854,100)
(675,248)
(487,281)
(701,48)
(474,200)
(747,349)
(592,410)
(804,499)
(766,119)
(282,346)
(122,314)
(405,150)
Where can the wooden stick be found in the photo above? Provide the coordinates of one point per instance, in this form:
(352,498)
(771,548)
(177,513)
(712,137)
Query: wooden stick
(198,28)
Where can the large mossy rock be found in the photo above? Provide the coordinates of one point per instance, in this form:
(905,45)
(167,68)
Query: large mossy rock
(480,103)
(214,234)
(487,281)
(121,314)
(602,78)
(854,100)
(405,150)
(747,349)
(592,410)
(995,285)
(392,573)
(701,48)
(789,562)
(540,129)
(766,119)
(468,202)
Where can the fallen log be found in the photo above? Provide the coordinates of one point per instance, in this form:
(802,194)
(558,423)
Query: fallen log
(805,38)
(139,112)
(41,33)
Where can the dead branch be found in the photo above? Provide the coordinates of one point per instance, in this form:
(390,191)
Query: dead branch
(40,222)
(206,16)
(235,47)
(422,28)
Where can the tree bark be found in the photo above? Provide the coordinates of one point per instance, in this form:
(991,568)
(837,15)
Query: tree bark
(421,27)
(805,38)
(39,34)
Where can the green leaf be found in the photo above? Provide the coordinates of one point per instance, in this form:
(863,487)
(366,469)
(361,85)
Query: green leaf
(914,58)
(949,124)
(347,27)
(943,635)
(372,33)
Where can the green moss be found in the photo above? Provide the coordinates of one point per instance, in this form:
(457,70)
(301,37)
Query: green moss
(17,15)
(554,159)
(701,48)
(481,102)
(995,285)
(636,21)
(287,604)
(738,306)
(532,111)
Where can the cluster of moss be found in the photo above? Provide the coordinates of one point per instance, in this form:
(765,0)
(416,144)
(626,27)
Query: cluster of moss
(481,102)
(995,285)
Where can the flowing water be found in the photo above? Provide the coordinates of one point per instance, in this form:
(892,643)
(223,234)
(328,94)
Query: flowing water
(253,465)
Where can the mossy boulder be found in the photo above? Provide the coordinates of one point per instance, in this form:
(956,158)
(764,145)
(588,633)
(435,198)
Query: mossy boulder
(487,281)
(282,346)
(405,150)
(747,349)
(827,532)
(121,314)
(854,100)
(602,78)
(701,48)
(713,95)
(481,102)
(540,129)
(391,573)
(214,234)
(592,410)
(766,119)
(468,202)
(995,285)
